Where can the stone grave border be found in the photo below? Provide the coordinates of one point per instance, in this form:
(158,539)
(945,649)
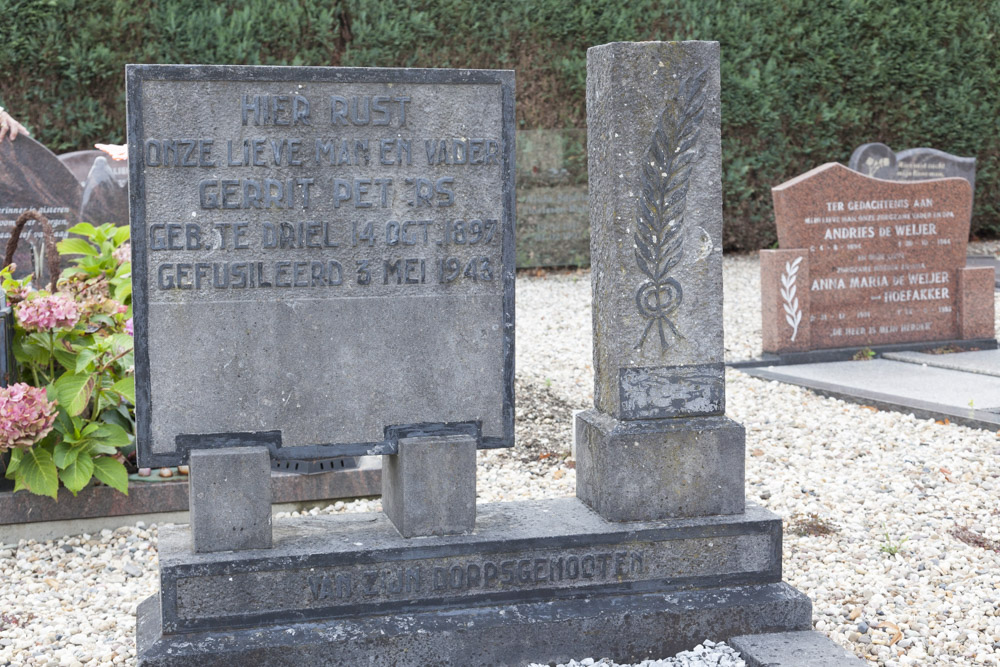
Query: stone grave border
(136,74)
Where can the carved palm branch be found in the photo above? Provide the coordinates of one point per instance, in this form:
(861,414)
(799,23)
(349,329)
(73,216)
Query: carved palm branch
(665,179)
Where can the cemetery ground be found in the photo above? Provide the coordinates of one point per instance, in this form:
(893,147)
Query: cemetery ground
(892,524)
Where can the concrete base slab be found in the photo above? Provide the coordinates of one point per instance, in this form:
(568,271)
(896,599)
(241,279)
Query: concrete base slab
(925,391)
(984,362)
(537,580)
(849,353)
(793,649)
(625,627)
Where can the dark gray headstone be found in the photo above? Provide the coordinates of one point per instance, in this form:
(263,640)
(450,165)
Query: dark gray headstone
(32,177)
(321,256)
(912,164)
(875,160)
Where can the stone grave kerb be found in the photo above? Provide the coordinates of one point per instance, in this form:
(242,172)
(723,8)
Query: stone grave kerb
(657,443)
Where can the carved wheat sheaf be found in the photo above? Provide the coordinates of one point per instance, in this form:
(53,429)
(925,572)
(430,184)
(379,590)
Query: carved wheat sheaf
(792,313)
(659,234)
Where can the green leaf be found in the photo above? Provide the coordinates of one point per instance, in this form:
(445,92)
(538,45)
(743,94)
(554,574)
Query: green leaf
(67,359)
(27,351)
(65,454)
(84,359)
(77,474)
(123,291)
(112,434)
(83,229)
(125,388)
(76,247)
(74,392)
(110,471)
(90,428)
(15,458)
(38,471)
(121,235)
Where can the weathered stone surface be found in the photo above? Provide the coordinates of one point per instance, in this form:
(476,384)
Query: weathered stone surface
(230,499)
(913,164)
(628,627)
(881,258)
(368,284)
(324,567)
(656,469)
(804,648)
(429,487)
(32,177)
(655,185)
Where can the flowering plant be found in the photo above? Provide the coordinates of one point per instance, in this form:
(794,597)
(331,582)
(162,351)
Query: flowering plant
(75,420)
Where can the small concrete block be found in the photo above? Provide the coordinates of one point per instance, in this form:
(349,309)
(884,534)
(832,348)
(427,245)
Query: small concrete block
(230,499)
(429,487)
(659,469)
(784,300)
(975,302)
(793,649)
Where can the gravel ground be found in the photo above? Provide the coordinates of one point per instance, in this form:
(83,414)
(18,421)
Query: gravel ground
(892,524)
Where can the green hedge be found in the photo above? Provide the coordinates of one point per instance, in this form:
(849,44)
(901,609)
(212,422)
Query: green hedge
(804,81)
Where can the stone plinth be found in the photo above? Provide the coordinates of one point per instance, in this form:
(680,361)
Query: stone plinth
(429,487)
(696,464)
(230,492)
(540,580)
(976,306)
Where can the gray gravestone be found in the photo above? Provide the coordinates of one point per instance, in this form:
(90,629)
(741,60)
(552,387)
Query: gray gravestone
(912,164)
(653,116)
(322,258)
(545,580)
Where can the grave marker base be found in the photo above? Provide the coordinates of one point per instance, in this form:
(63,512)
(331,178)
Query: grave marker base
(539,580)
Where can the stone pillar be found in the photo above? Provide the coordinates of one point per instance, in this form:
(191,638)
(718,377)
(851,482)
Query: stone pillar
(230,499)
(657,444)
(429,487)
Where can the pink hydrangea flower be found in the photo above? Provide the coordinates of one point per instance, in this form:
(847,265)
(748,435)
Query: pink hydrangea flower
(48,312)
(128,327)
(123,253)
(26,416)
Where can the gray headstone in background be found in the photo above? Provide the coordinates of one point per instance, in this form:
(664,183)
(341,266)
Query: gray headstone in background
(912,164)
(553,226)
(320,255)
(81,162)
(875,160)
(32,177)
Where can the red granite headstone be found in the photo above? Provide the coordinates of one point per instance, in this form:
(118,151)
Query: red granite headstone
(866,261)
